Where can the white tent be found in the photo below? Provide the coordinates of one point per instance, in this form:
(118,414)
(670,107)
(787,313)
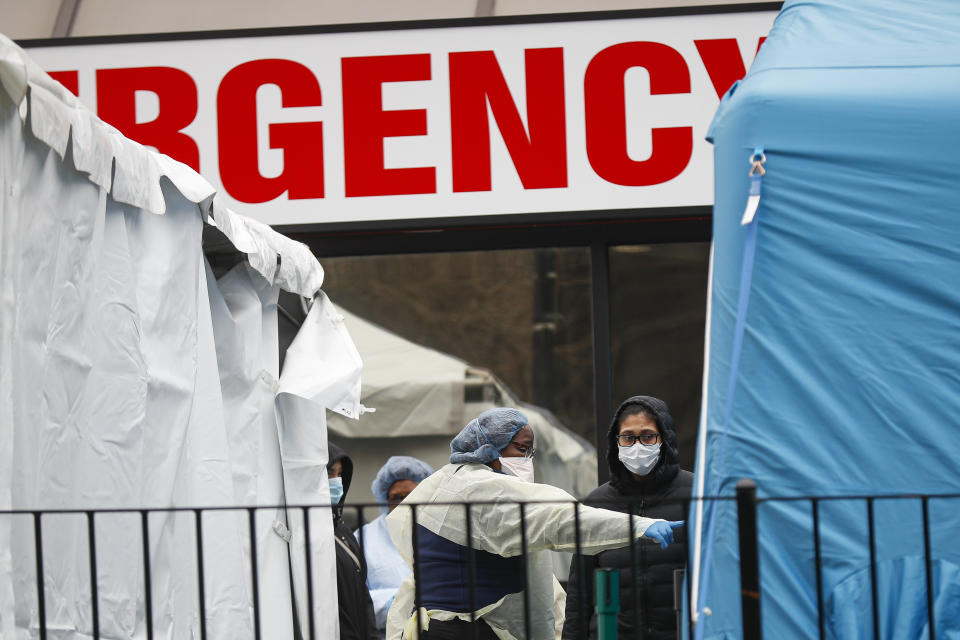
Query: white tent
(131,378)
(423,398)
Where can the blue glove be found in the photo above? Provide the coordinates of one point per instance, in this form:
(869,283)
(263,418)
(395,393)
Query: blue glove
(662,531)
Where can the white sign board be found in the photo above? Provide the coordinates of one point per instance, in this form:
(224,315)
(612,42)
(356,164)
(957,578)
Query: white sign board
(399,124)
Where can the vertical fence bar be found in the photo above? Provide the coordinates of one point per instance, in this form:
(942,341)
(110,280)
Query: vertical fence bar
(198,521)
(309,569)
(471,579)
(873,570)
(360,523)
(818,564)
(255,579)
(582,589)
(678,577)
(147,584)
(633,574)
(749,559)
(94,598)
(38,554)
(526,567)
(417,593)
(927,564)
(363,550)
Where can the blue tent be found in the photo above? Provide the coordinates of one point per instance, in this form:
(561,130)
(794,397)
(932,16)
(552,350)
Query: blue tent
(834,324)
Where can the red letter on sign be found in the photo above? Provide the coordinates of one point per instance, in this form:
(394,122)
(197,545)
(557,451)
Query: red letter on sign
(177,94)
(366,124)
(606,114)
(69,79)
(723,62)
(540,157)
(302,142)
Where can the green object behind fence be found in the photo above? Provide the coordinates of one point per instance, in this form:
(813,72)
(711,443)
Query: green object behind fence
(608,602)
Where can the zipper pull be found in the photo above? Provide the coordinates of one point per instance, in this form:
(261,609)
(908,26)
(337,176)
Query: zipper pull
(757,158)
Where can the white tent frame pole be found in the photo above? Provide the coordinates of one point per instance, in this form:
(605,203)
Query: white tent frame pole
(702,448)
(66,17)
(485,8)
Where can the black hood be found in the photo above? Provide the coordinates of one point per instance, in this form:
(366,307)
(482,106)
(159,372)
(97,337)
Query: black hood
(336,453)
(669,464)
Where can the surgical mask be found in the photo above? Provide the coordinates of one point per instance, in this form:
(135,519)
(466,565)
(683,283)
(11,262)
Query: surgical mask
(640,458)
(520,467)
(336,490)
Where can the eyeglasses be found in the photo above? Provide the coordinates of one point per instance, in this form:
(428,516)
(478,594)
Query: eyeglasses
(525,451)
(647,438)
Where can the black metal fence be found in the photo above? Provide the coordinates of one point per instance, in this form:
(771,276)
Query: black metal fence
(750,546)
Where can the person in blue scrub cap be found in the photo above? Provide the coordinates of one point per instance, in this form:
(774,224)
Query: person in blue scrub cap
(491,474)
(386,570)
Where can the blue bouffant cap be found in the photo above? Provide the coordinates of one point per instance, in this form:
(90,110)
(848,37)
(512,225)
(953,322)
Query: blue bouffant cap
(486,436)
(398,468)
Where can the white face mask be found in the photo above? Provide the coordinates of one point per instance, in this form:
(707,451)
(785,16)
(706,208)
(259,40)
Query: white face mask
(640,458)
(520,467)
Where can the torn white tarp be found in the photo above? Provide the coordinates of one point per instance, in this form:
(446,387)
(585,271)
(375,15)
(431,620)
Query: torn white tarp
(131,379)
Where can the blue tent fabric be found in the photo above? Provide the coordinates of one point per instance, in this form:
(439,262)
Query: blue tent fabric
(847,379)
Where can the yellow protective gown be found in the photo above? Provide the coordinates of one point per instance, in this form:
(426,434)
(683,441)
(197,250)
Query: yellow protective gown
(495,528)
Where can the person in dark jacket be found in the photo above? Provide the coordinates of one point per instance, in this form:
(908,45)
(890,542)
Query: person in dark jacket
(643,458)
(356,609)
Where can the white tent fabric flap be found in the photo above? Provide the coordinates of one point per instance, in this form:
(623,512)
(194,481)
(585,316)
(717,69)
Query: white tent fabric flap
(336,386)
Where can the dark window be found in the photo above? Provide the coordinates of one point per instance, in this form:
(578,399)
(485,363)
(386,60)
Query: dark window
(658,296)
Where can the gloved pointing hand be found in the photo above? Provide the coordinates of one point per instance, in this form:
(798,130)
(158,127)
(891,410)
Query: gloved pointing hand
(662,531)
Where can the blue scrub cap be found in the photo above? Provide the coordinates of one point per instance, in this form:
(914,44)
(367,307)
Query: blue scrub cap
(398,468)
(485,436)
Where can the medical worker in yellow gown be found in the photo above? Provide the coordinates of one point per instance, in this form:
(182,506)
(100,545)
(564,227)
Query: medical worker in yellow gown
(491,466)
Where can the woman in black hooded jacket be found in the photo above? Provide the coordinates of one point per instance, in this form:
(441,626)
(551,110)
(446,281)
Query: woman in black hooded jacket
(357,621)
(657,493)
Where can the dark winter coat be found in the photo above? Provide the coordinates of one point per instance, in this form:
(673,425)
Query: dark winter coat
(658,495)
(357,620)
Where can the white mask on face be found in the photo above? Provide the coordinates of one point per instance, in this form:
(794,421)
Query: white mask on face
(640,458)
(336,490)
(520,467)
